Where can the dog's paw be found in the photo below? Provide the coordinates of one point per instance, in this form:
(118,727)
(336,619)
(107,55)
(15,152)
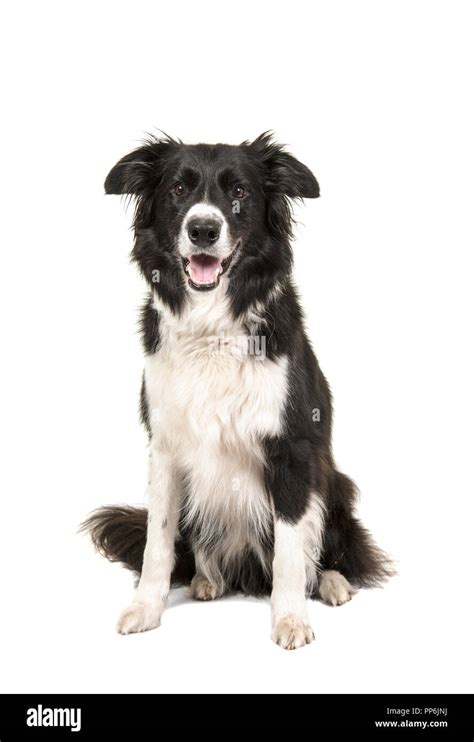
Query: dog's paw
(334,588)
(291,632)
(202,589)
(138,617)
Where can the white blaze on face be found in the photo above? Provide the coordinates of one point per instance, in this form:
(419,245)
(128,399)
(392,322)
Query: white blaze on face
(204,264)
(221,247)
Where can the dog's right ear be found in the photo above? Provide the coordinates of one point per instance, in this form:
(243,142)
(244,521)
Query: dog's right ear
(128,174)
(135,173)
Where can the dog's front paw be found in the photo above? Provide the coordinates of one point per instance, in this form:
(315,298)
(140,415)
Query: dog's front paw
(138,617)
(291,632)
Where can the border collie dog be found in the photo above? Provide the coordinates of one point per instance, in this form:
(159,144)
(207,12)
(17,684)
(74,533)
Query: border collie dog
(244,495)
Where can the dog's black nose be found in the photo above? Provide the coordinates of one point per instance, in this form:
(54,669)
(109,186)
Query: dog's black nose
(204,232)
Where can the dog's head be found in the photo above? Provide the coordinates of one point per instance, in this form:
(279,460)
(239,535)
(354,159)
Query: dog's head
(204,211)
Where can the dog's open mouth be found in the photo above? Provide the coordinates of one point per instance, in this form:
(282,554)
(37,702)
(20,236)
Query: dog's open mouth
(204,271)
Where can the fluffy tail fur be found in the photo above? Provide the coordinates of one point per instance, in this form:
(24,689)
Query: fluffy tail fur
(118,532)
(348,546)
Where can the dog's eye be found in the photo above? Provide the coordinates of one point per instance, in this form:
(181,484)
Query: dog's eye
(238,191)
(179,189)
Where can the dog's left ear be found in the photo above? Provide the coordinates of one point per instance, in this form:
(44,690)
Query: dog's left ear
(284,173)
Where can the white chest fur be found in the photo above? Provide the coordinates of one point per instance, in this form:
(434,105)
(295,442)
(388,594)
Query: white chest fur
(211,401)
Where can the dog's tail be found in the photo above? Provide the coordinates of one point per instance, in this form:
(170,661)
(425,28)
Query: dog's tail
(118,533)
(348,546)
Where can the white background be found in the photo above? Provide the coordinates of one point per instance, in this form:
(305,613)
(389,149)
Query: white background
(376,97)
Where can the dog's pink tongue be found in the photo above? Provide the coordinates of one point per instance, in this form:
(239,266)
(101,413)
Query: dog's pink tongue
(203,268)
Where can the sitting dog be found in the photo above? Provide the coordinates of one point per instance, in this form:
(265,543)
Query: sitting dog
(244,494)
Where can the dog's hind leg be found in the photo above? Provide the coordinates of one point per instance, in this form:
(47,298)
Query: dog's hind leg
(349,550)
(334,589)
(202,589)
(207,583)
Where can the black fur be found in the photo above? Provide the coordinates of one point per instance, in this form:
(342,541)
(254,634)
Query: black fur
(301,460)
(119,534)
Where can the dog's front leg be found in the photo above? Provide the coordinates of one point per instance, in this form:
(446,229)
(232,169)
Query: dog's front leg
(290,624)
(150,598)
